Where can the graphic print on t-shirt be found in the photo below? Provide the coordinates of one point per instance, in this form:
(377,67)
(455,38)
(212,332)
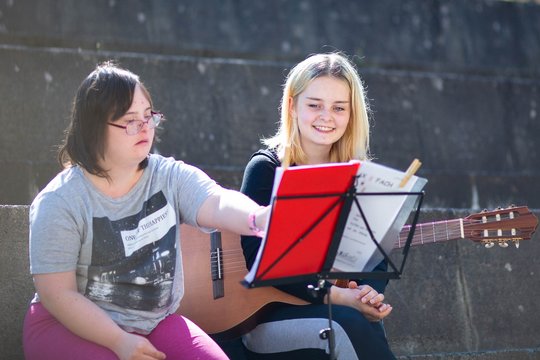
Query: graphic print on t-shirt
(133,259)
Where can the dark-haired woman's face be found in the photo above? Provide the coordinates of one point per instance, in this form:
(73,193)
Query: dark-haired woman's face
(122,149)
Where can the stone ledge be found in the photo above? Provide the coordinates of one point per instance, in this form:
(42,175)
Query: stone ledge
(515,354)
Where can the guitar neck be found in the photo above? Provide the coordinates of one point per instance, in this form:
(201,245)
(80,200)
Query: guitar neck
(433,232)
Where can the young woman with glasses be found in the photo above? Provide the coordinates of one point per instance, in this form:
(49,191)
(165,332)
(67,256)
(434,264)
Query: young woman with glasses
(324,119)
(104,234)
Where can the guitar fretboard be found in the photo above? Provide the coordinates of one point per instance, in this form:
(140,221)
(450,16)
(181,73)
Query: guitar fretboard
(432,232)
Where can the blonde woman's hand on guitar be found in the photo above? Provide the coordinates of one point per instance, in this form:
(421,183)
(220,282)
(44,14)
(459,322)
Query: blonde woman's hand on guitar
(374,300)
(363,298)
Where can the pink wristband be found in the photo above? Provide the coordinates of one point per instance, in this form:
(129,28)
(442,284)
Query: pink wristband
(253,225)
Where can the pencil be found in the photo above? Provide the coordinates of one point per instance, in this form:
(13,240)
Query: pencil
(415,165)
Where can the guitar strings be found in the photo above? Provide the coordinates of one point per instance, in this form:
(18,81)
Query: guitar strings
(434,230)
(232,260)
(431,232)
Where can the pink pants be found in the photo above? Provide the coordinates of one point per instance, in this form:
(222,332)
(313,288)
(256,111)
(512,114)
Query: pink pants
(44,338)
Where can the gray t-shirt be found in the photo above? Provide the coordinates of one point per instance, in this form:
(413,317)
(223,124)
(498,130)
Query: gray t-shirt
(125,251)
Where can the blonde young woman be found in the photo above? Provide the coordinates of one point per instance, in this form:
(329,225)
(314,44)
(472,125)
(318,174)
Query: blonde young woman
(324,118)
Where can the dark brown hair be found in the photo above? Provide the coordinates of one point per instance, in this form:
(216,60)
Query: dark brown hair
(105,95)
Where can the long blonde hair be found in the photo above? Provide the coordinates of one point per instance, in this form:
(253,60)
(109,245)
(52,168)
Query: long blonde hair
(354,144)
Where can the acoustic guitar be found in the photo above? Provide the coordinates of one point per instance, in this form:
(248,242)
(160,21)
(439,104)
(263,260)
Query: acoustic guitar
(216,301)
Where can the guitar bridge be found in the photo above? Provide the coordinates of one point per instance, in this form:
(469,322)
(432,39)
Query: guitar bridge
(216,265)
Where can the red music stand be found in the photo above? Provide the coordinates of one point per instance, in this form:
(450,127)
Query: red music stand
(309,212)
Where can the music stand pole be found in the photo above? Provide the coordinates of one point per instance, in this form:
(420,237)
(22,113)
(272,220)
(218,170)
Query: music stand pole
(326,333)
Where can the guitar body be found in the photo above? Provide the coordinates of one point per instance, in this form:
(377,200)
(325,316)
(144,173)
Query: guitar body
(238,310)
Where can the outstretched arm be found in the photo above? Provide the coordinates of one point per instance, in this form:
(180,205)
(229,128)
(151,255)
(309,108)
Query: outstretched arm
(230,210)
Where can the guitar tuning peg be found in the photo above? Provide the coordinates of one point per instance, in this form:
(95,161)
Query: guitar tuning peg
(489,245)
(503,244)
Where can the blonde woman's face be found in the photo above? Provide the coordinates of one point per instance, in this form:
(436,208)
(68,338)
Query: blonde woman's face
(323,111)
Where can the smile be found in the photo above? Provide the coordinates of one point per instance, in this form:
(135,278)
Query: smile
(324,128)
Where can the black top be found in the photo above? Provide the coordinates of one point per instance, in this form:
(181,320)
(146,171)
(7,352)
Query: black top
(257,184)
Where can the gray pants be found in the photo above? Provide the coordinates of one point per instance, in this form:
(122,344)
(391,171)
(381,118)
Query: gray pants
(293,329)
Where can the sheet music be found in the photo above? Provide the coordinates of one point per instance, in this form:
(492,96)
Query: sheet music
(386,216)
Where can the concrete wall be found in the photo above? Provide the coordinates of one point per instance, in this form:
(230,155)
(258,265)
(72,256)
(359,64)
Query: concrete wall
(453,83)
(483,36)
(476,136)
(457,299)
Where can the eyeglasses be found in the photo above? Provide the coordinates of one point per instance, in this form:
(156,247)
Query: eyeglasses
(133,127)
